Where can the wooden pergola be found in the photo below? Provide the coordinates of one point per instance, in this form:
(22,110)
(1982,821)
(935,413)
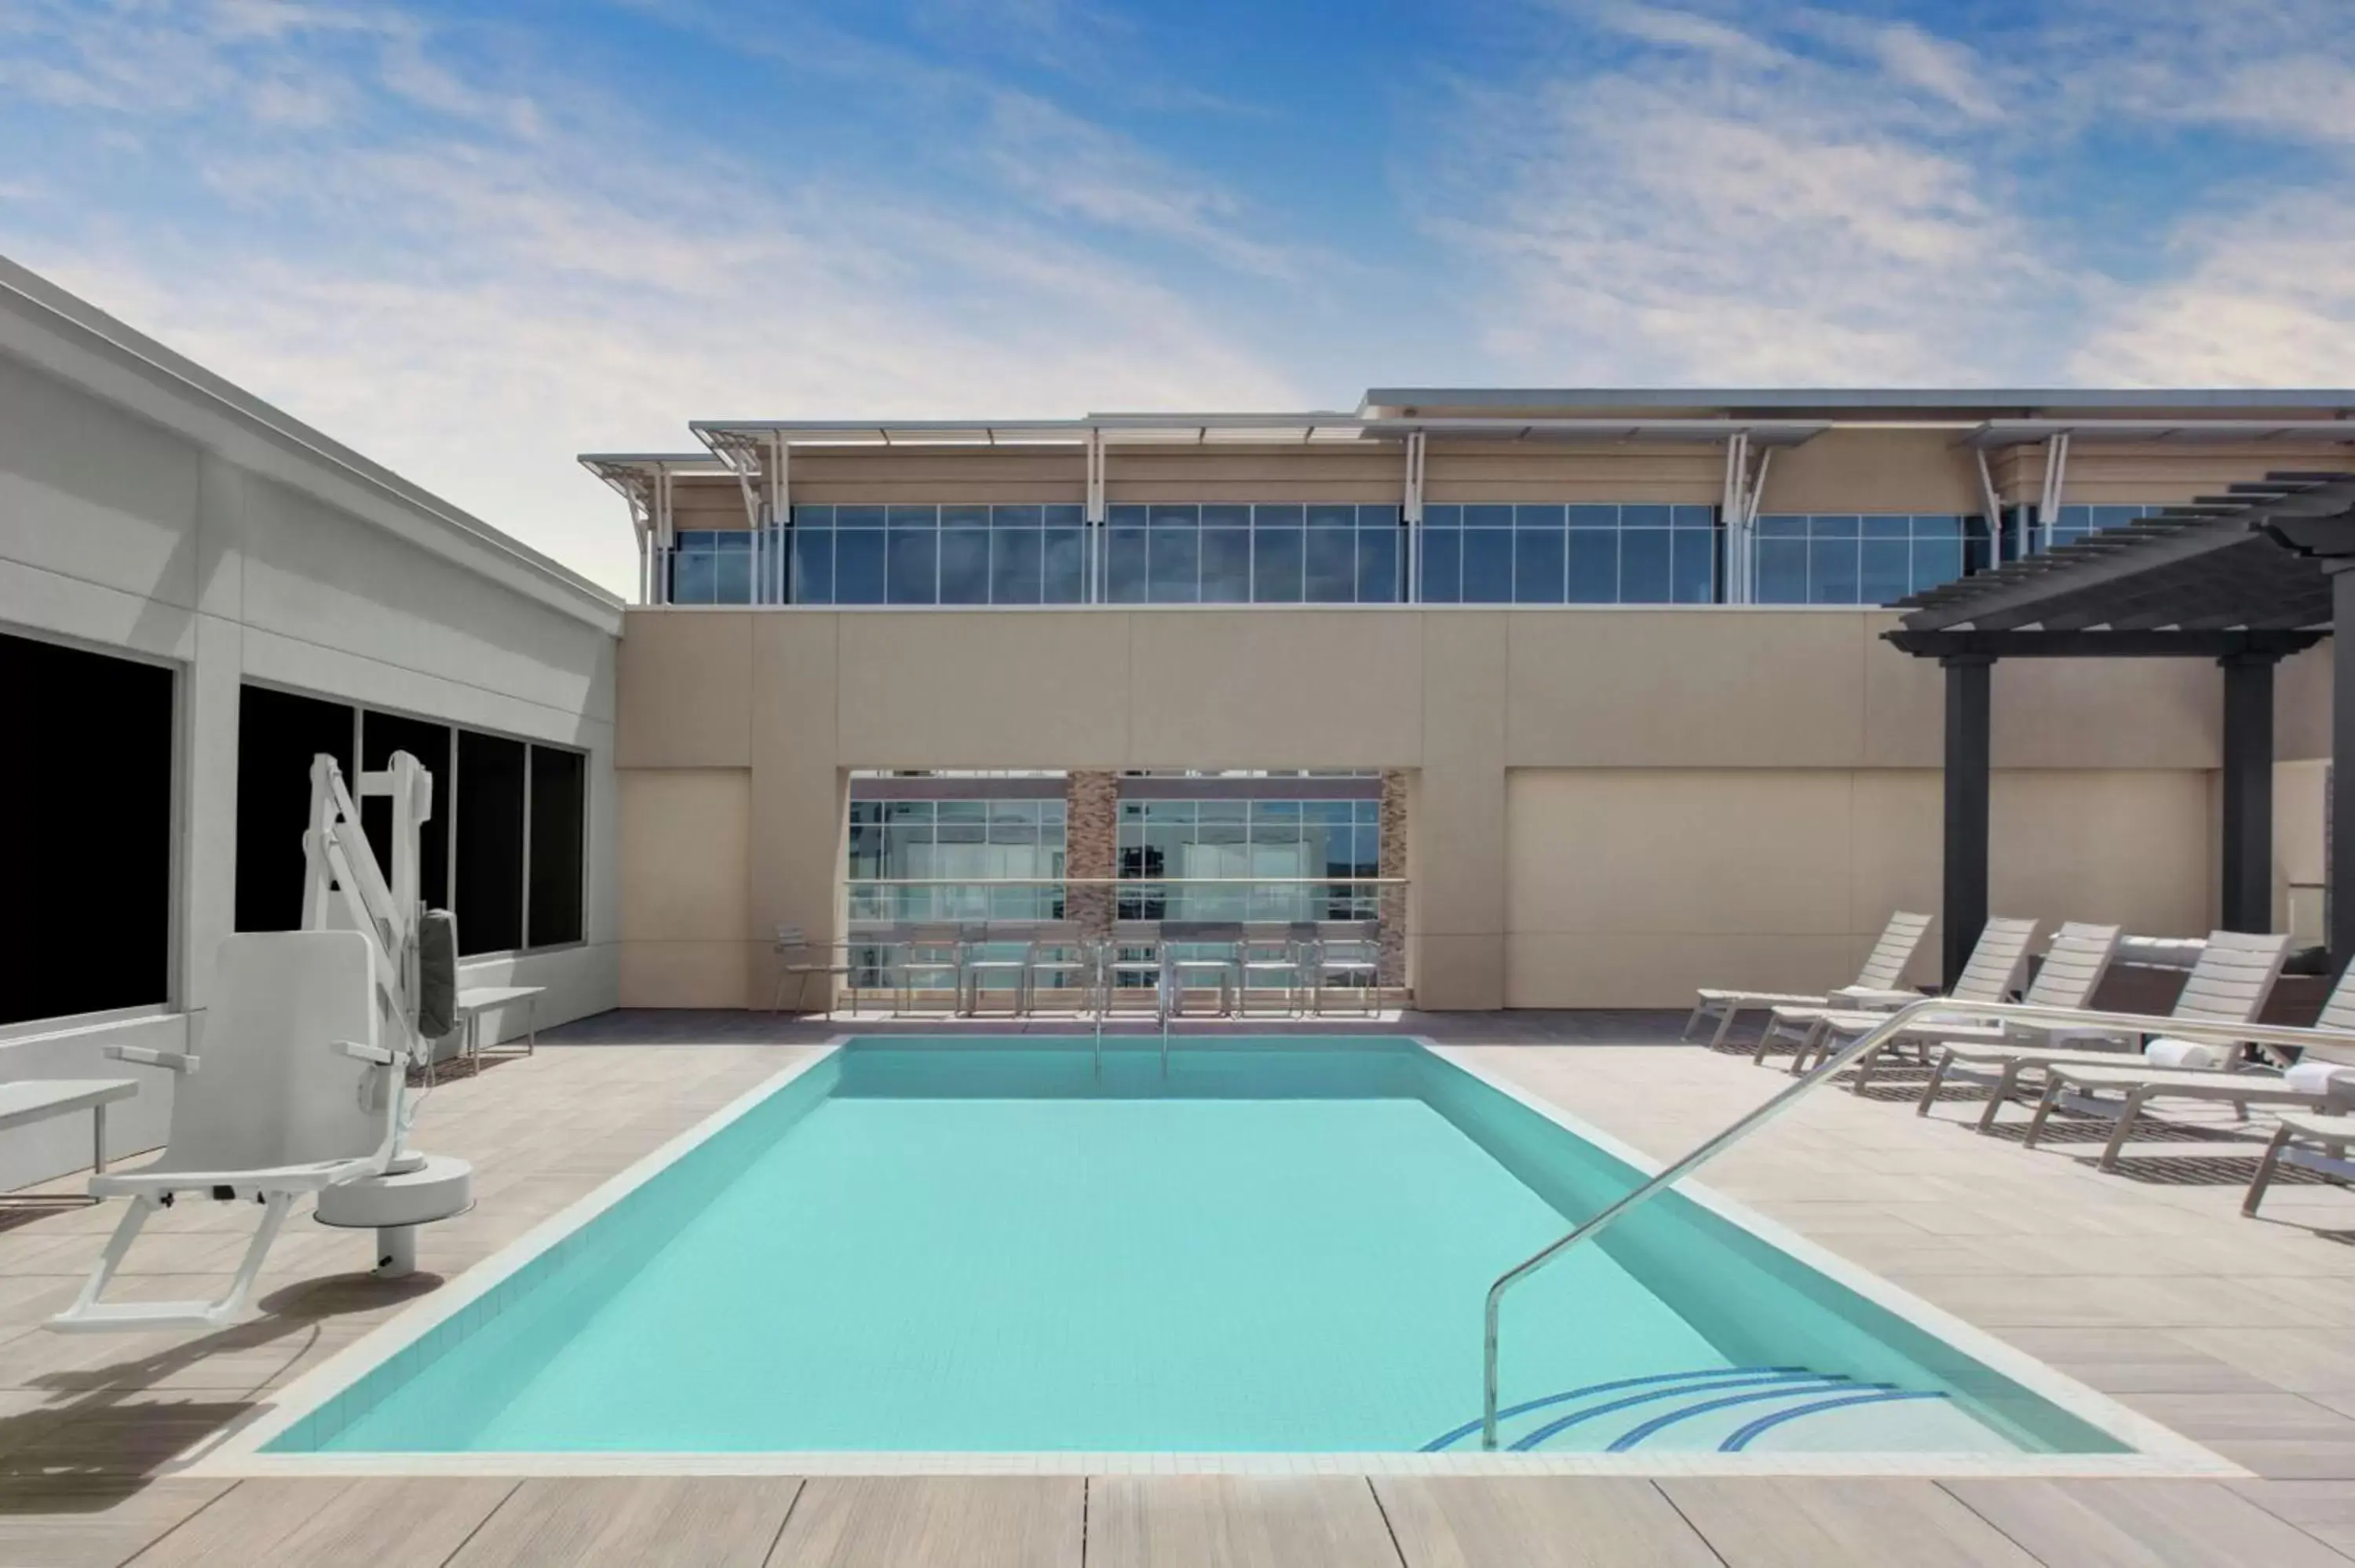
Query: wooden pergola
(2244,579)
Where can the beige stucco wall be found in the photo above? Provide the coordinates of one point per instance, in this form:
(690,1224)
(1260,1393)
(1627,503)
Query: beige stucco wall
(1801,724)
(1629,887)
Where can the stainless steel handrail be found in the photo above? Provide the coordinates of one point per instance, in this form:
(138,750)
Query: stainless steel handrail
(1906,1019)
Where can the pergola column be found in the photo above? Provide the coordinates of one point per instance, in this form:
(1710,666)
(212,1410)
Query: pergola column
(2247,894)
(1968,763)
(2339,892)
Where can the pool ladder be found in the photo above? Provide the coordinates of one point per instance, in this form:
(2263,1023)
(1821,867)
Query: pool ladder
(1165,999)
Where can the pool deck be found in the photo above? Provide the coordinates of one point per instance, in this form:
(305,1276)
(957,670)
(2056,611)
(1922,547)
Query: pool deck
(2149,1286)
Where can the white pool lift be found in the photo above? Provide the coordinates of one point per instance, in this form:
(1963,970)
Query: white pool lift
(301,1084)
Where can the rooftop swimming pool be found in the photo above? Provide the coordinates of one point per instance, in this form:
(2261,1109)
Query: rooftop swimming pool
(947,1247)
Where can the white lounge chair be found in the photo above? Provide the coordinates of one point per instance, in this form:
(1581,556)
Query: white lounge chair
(1991,975)
(2313,1141)
(2181,1070)
(1876,983)
(2228,984)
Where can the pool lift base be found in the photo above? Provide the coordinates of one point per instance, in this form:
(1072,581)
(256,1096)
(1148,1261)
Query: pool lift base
(417,1190)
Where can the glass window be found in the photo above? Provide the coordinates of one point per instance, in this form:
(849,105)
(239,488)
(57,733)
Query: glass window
(1015,559)
(1647,574)
(1538,561)
(1443,566)
(1066,580)
(559,815)
(1487,564)
(1226,559)
(1888,571)
(695,569)
(381,734)
(1332,561)
(858,566)
(491,808)
(277,733)
(86,787)
(1125,565)
(914,573)
(965,561)
(1594,567)
(1174,571)
(1276,560)
(732,568)
(1377,564)
(1832,570)
(1781,571)
(812,565)
(1696,564)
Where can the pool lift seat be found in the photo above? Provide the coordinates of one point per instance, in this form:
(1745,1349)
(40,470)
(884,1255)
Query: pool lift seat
(301,1084)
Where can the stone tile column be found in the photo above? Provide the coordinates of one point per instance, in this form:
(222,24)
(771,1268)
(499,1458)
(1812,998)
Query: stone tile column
(1091,846)
(1389,929)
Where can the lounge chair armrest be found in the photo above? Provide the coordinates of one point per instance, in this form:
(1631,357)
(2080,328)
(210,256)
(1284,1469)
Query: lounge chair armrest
(359,1052)
(176,1061)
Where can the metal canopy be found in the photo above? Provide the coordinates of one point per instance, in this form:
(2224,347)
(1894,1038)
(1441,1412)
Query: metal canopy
(1998,434)
(2219,563)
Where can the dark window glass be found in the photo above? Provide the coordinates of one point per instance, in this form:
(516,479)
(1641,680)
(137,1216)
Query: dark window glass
(1226,563)
(1935,561)
(1831,571)
(1060,516)
(278,734)
(1275,563)
(1124,565)
(964,566)
(86,857)
(381,734)
(1226,516)
(1593,517)
(1782,525)
(490,843)
(859,516)
(1015,557)
(1378,565)
(1174,572)
(915,563)
(1696,566)
(964,517)
(1833,527)
(858,565)
(1646,574)
(1169,516)
(1488,516)
(693,574)
(812,565)
(1442,566)
(1016,516)
(560,813)
(1538,562)
(1487,564)
(1898,528)
(1694,516)
(1332,561)
(1441,517)
(1781,571)
(1332,517)
(1888,571)
(1538,516)
(1594,567)
(1067,575)
(732,570)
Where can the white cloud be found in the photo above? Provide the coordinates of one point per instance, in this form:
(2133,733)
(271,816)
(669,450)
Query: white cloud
(1063,164)
(1751,215)
(474,296)
(2266,299)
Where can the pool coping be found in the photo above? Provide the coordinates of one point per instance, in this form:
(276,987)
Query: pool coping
(237,1451)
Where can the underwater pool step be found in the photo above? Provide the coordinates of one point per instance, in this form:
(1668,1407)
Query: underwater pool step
(1728,1394)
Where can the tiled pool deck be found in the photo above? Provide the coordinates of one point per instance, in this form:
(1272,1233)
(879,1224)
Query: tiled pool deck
(2239,1334)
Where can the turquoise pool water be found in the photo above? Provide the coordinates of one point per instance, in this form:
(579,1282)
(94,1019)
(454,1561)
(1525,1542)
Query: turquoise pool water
(1281,1247)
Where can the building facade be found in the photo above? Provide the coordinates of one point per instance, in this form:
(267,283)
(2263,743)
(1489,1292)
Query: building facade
(197,594)
(1621,651)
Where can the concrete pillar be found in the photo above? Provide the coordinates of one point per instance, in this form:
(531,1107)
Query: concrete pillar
(2247,894)
(1091,846)
(1968,743)
(2339,895)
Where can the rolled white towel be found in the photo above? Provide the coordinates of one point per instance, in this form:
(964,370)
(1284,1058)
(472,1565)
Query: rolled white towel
(2170,1053)
(2315,1077)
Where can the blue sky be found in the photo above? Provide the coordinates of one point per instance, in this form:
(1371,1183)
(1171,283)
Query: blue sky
(474,241)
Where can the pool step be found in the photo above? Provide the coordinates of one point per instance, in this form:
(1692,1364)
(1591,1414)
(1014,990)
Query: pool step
(1744,1403)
